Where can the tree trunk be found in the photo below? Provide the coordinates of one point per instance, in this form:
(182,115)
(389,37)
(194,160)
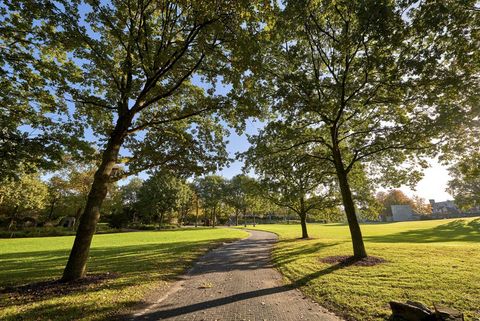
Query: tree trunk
(160,220)
(245,217)
(303,222)
(303,218)
(77,261)
(196,211)
(52,206)
(359,251)
(12,219)
(236,217)
(213,217)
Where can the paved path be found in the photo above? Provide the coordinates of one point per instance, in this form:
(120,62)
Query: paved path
(235,282)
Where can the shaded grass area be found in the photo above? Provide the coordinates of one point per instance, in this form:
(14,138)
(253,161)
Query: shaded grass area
(138,261)
(427,261)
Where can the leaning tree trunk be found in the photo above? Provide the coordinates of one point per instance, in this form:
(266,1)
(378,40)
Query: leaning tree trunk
(77,261)
(359,251)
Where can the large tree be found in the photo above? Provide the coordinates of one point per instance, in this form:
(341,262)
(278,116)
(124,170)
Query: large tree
(370,84)
(125,69)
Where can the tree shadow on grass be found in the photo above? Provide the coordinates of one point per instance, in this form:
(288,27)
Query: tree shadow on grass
(130,263)
(287,255)
(454,231)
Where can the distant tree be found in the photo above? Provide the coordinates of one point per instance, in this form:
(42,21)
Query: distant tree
(397,197)
(240,195)
(421,206)
(22,197)
(158,197)
(70,187)
(465,182)
(392,197)
(290,178)
(373,84)
(211,190)
(185,199)
(124,204)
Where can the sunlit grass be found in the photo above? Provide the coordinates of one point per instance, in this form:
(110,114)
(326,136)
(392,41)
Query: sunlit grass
(428,261)
(143,261)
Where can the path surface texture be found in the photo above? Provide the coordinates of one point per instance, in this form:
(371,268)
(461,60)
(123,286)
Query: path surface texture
(235,282)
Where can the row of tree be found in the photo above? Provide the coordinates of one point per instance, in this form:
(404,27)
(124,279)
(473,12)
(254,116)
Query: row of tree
(354,93)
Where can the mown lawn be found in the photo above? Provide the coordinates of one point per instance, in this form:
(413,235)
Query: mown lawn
(427,261)
(138,262)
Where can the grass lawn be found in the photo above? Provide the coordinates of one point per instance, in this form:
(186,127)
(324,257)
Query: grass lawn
(140,261)
(427,261)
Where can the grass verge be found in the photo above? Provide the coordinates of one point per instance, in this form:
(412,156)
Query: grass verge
(428,261)
(137,262)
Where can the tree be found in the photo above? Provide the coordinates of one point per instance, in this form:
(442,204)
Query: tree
(159,197)
(26,195)
(185,199)
(124,204)
(370,84)
(211,191)
(33,135)
(240,192)
(397,197)
(291,179)
(125,68)
(465,182)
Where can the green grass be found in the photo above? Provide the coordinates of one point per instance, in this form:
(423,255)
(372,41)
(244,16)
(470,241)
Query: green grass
(143,261)
(428,261)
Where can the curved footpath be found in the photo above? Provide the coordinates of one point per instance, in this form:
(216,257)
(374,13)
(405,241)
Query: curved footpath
(235,282)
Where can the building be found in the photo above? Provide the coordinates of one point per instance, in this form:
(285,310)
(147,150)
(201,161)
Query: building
(444,209)
(402,213)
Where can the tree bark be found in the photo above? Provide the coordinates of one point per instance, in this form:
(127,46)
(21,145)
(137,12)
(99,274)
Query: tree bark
(303,219)
(236,217)
(359,251)
(303,222)
(77,261)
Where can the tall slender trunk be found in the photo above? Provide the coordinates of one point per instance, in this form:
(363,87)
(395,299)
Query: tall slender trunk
(245,217)
(303,218)
(13,217)
(196,211)
(52,207)
(348,204)
(236,217)
(77,261)
(213,217)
